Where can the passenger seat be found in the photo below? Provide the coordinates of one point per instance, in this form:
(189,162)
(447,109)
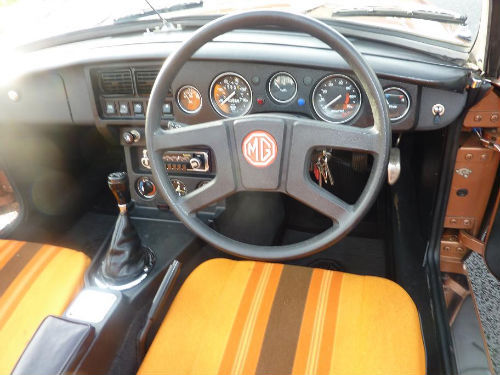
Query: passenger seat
(36,280)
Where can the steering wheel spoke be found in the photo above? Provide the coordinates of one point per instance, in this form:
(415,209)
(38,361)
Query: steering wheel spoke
(321,200)
(308,135)
(208,134)
(312,133)
(208,194)
(215,137)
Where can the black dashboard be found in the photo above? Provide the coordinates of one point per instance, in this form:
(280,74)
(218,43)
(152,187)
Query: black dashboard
(106,83)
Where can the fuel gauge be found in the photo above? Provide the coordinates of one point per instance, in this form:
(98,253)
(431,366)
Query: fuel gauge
(398,102)
(189,99)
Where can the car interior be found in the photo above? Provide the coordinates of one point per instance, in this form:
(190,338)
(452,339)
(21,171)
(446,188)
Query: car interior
(263,191)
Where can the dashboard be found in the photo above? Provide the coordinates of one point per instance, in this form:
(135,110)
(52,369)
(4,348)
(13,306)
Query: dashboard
(106,83)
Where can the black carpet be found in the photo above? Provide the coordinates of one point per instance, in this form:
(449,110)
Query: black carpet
(358,255)
(88,233)
(486,291)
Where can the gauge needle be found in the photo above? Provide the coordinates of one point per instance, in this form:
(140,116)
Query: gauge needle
(277,85)
(334,100)
(228,97)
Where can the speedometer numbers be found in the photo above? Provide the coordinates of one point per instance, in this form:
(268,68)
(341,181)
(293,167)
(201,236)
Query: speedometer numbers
(336,98)
(231,95)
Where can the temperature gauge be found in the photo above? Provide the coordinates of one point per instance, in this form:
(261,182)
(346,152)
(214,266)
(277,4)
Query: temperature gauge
(398,102)
(189,99)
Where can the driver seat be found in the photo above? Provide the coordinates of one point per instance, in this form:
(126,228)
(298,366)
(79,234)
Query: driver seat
(245,317)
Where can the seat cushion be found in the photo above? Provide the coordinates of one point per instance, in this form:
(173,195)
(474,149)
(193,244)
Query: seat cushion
(244,317)
(35,281)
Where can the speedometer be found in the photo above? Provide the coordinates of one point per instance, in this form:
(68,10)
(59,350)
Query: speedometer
(231,95)
(336,98)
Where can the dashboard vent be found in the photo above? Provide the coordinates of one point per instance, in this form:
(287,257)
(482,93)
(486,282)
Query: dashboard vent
(144,80)
(116,82)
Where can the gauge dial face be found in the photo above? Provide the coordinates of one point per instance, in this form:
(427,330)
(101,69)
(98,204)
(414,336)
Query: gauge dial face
(336,98)
(231,95)
(189,99)
(398,102)
(282,87)
(179,187)
(146,187)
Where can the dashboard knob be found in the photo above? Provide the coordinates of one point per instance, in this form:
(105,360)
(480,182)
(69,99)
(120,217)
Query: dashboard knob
(195,163)
(146,187)
(130,137)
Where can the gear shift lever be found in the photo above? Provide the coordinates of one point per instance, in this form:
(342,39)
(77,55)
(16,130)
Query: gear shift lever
(118,184)
(126,260)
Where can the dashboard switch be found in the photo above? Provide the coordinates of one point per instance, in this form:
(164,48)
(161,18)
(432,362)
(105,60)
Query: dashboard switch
(167,108)
(110,108)
(124,109)
(138,108)
(438,110)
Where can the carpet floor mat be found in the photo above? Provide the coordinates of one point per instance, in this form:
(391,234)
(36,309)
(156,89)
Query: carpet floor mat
(486,291)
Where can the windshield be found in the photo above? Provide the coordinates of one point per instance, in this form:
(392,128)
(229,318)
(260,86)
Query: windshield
(451,21)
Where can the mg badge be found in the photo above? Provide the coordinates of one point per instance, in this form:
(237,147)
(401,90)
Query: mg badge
(259,148)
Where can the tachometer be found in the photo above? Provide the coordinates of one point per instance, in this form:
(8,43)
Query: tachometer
(231,95)
(336,98)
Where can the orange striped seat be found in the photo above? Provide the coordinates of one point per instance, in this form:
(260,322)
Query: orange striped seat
(244,317)
(35,281)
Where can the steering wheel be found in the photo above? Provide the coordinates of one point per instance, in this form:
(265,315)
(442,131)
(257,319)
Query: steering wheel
(285,143)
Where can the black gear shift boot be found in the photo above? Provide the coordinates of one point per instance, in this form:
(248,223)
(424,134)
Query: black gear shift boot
(126,259)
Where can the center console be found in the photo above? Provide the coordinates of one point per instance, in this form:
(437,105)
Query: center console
(188,169)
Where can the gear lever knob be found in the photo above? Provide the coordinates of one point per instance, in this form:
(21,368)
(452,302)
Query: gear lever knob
(118,184)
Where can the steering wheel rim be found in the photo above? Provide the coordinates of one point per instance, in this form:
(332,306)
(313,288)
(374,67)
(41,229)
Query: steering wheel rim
(376,139)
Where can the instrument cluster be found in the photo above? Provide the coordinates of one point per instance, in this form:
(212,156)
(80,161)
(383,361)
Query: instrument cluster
(335,98)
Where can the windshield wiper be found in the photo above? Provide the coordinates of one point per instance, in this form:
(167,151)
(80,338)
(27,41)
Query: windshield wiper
(424,14)
(147,13)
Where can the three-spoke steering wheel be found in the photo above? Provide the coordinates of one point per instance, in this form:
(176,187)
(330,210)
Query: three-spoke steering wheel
(284,144)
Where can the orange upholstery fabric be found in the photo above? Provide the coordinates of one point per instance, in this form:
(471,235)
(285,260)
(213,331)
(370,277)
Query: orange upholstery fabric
(244,317)
(35,281)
